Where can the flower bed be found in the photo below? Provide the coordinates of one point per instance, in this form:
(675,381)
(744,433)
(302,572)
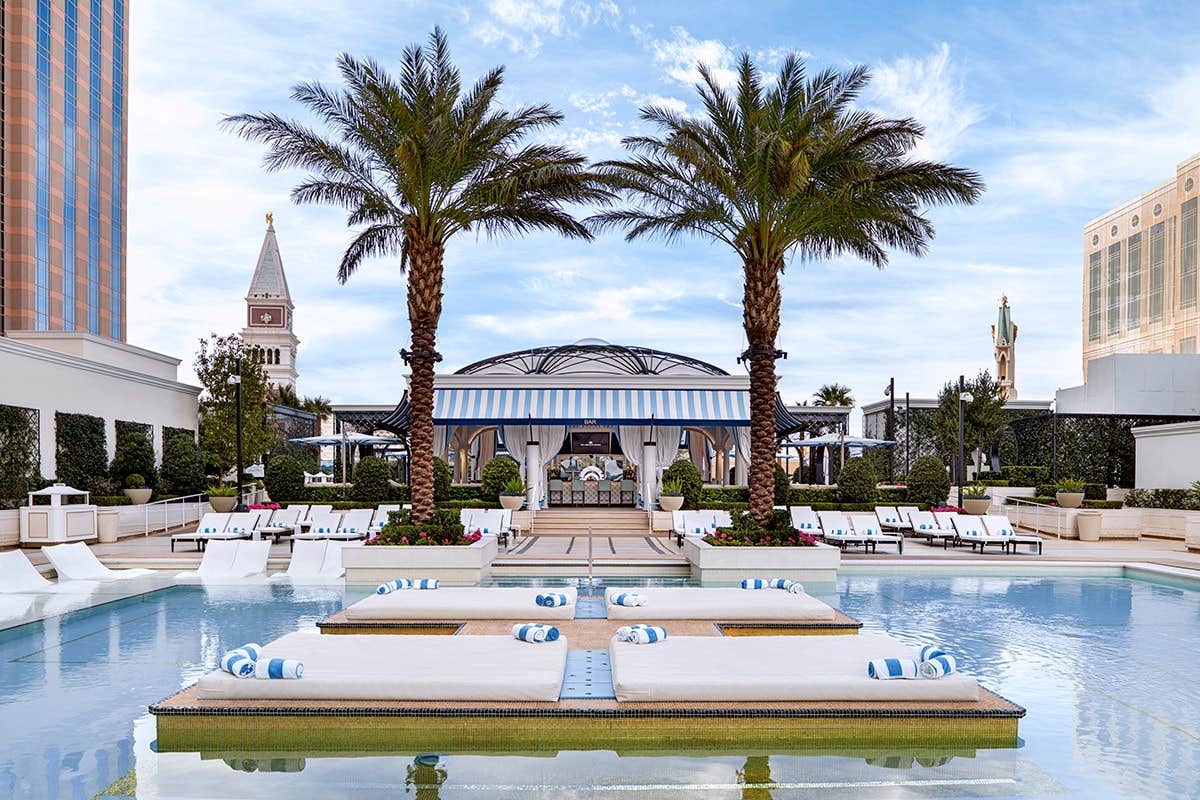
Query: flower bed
(730,537)
(421,536)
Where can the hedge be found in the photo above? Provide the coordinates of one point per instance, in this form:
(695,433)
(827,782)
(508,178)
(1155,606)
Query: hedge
(371,476)
(495,474)
(855,507)
(1050,501)
(1176,499)
(110,500)
(1025,475)
(692,486)
(724,494)
(1091,491)
(856,482)
(81,449)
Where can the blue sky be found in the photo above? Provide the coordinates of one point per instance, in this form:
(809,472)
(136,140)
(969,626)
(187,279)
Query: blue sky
(1066,109)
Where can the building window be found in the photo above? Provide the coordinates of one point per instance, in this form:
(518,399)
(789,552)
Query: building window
(1187,254)
(1133,282)
(1157,256)
(1188,345)
(70,99)
(1094,297)
(1114,289)
(118,148)
(41,246)
(94,90)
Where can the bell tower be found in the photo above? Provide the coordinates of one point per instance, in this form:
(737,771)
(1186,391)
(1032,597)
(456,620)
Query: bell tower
(269,314)
(1004,338)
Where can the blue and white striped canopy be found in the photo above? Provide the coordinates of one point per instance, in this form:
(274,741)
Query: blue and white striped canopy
(581,406)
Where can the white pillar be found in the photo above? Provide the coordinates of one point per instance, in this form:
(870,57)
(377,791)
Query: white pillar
(533,475)
(649,475)
(740,470)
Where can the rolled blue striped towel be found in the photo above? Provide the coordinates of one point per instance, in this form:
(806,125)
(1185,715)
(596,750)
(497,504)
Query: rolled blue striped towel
(425,583)
(239,662)
(387,587)
(209,530)
(787,585)
(324,530)
(624,631)
(551,599)
(647,635)
(930,651)
(534,632)
(938,666)
(890,668)
(628,599)
(754,583)
(278,669)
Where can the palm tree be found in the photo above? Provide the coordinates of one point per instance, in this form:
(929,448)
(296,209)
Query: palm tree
(833,394)
(316,404)
(285,396)
(796,169)
(415,159)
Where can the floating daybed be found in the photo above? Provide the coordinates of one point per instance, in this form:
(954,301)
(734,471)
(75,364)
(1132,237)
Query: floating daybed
(381,612)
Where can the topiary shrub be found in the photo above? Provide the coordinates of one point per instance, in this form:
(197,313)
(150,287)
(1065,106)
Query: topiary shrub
(495,474)
(182,470)
(856,482)
(371,477)
(80,451)
(284,479)
(928,481)
(684,472)
(443,477)
(134,456)
(783,486)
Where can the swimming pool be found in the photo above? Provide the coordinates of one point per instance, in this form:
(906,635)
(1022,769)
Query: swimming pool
(1105,666)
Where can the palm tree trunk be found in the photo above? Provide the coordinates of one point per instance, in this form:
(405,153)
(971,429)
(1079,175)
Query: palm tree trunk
(760,314)
(424,311)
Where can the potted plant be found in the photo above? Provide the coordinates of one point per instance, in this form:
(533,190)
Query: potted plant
(671,498)
(512,494)
(135,489)
(1069,493)
(223,499)
(975,499)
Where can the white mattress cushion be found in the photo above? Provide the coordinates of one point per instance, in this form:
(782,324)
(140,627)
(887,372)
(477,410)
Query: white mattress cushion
(750,668)
(720,603)
(402,668)
(466,602)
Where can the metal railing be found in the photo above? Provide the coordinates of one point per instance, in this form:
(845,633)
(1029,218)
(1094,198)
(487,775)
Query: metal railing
(163,512)
(1046,519)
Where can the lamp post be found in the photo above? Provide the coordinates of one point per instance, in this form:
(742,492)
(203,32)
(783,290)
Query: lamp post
(907,431)
(964,397)
(1054,440)
(236,382)
(890,433)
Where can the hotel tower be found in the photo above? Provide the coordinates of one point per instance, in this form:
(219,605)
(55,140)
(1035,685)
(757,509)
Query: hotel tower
(63,168)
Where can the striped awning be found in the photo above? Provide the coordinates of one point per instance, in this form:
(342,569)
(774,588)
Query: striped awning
(583,406)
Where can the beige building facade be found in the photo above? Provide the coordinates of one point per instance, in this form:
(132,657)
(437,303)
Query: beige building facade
(1140,272)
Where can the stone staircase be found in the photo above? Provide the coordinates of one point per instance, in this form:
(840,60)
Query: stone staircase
(604,522)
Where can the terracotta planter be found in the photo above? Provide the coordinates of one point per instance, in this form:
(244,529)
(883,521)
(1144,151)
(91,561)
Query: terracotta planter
(138,496)
(670,503)
(512,501)
(1069,499)
(977,506)
(222,505)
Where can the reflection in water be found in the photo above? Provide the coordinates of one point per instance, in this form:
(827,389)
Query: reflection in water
(756,774)
(426,776)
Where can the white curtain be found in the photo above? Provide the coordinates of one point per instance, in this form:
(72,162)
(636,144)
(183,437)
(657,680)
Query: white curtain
(666,439)
(515,437)
(550,440)
(441,440)
(698,452)
(741,438)
(487,450)
(631,438)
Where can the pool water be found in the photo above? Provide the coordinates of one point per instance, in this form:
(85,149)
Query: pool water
(1105,666)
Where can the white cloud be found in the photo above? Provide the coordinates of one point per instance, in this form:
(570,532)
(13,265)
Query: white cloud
(522,25)
(679,55)
(930,90)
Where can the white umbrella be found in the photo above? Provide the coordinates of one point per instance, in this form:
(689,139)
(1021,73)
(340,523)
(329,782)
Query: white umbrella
(344,440)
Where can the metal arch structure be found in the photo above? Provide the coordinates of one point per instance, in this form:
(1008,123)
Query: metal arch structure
(367,421)
(809,420)
(591,357)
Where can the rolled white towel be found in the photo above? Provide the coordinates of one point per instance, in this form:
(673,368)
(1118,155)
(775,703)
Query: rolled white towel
(532,632)
(239,662)
(624,631)
(551,599)
(387,587)
(938,666)
(278,669)
(627,599)
(754,583)
(891,668)
(931,651)
(425,583)
(647,635)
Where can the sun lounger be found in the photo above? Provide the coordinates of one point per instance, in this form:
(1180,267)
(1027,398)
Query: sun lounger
(302,512)
(836,529)
(772,668)
(315,511)
(925,526)
(17,574)
(332,567)
(356,522)
(890,519)
(804,520)
(867,526)
(381,516)
(324,526)
(251,558)
(970,531)
(945,519)
(211,525)
(459,603)
(383,668)
(721,604)
(75,562)
(282,522)
(308,556)
(999,525)
(722,519)
(216,563)
(906,512)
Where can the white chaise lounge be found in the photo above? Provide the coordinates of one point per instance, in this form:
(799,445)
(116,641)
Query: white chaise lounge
(890,519)
(18,575)
(381,516)
(718,603)
(315,560)
(225,561)
(793,668)
(211,526)
(970,531)
(76,562)
(283,522)
(867,526)
(999,525)
(465,602)
(382,668)
(804,520)
(925,526)
(836,529)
